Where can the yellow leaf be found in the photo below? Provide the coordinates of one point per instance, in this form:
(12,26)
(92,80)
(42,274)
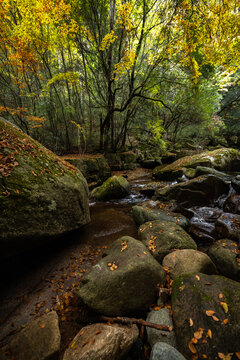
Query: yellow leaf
(190,322)
(197,277)
(224,306)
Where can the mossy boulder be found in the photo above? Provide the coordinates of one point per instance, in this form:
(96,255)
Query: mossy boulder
(143,214)
(188,261)
(206,307)
(160,237)
(225,255)
(94,168)
(124,281)
(115,187)
(227,226)
(40,194)
(197,191)
(220,159)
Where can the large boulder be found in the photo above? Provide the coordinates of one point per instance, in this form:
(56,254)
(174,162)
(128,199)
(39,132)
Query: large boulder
(40,194)
(39,340)
(198,191)
(124,281)
(143,214)
(102,342)
(206,315)
(162,236)
(220,159)
(115,187)
(187,261)
(94,168)
(232,204)
(225,255)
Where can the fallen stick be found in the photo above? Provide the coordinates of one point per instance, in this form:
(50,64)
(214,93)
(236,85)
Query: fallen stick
(130,321)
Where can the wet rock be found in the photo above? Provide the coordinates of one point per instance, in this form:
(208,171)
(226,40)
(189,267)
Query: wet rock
(198,191)
(39,340)
(236,184)
(187,261)
(203,170)
(149,163)
(228,226)
(115,187)
(102,342)
(225,253)
(51,194)
(124,281)
(220,159)
(192,299)
(232,204)
(142,214)
(163,351)
(160,317)
(162,236)
(94,168)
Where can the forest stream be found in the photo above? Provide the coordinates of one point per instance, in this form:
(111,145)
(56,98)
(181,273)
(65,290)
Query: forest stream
(44,278)
(48,278)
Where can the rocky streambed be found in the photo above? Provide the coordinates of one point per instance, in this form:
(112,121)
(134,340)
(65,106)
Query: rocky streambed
(163,250)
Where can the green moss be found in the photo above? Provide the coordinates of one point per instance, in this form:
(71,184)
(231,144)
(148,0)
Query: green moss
(207,298)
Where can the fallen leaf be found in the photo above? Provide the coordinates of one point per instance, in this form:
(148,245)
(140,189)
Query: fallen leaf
(192,347)
(237,354)
(215,318)
(209,334)
(197,277)
(225,321)
(224,305)
(204,356)
(225,357)
(220,296)
(42,326)
(98,332)
(198,334)
(190,322)
(210,312)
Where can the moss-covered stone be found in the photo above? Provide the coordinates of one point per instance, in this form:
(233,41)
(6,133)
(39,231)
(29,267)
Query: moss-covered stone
(192,297)
(94,168)
(197,191)
(115,187)
(124,281)
(220,159)
(160,237)
(122,160)
(40,194)
(143,214)
(224,254)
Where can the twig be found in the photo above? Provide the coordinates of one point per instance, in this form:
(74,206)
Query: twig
(129,321)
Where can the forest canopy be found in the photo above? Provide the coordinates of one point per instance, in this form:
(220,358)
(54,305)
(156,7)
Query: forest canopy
(98,73)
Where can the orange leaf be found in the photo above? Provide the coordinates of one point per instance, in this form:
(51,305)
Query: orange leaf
(237,354)
(42,326)
(225,321)
(192,347)
(209,333)
(190,322)
(204,356)
(198,334)
(197,277)
(220,296)
(215,318)
(210,312)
